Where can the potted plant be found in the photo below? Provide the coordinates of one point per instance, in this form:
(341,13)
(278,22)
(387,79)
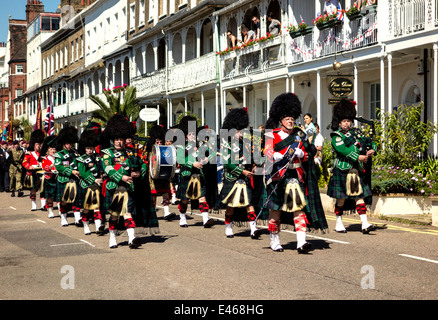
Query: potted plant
(294,31)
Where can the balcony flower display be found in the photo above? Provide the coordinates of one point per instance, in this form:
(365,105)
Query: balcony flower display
(245,45)
(324,22)
(353,13)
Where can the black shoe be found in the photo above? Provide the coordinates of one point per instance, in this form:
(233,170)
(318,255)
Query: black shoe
(305,248)
(341,231)
(183,225)
(20,194)
(43,209)
(13,194)
(79,224)
(256,234)
(170,216)
(230,236)
(135,243)
(368,229)
(209,223)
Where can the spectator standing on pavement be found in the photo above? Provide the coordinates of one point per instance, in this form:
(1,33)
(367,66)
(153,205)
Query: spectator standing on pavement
(16,154)
(4,167)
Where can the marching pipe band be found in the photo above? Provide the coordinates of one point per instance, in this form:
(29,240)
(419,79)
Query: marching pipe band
(109,179)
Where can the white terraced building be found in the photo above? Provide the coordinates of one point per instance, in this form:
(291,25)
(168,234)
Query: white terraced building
(168,50)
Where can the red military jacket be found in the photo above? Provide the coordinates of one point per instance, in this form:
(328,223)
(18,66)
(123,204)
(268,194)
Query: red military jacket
(48,164)
(31,161)
(272,139)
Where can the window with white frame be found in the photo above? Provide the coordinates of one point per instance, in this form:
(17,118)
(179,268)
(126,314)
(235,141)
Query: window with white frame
(141,13)
(375,100)
(132,16)
(19,69)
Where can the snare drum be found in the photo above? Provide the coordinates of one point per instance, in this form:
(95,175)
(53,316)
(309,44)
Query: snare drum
(162,162)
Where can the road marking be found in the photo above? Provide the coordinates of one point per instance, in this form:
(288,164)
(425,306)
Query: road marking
(11,207)
(41,221)
(288,231)
(66,244)
(87,243)
(418,258)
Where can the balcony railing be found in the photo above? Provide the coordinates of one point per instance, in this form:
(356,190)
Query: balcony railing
(410,16)
(339,37)
(192,73)
(256,57)
(150,84)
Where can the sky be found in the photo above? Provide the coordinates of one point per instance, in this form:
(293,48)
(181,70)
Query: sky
(17,10)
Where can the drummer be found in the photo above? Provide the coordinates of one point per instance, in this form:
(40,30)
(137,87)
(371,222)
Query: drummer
(31,164)
(160,187)
(192,179)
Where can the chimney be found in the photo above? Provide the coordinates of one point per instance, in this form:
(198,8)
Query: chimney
(33,9)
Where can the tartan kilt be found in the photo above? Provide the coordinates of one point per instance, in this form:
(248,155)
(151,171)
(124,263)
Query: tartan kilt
(108,198)
(184,184)
(337,187)
(60,188)
(277,198)
(49,188)
(226,188)
(80,196)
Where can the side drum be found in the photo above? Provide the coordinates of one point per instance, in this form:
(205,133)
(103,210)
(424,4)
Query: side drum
(162,162)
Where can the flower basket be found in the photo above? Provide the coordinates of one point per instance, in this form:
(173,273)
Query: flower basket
(328,24)
(369,9)
(306,31)
(295,34)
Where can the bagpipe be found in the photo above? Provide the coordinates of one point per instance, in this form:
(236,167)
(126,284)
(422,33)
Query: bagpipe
(70,191)
(366,143)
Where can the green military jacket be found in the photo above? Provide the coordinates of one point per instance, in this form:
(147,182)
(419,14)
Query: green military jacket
(116,164)
(89,169)
(186,157)
(65,163)
(233,161)
(348,146)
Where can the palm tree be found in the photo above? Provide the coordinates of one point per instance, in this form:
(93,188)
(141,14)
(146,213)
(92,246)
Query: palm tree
(128,107)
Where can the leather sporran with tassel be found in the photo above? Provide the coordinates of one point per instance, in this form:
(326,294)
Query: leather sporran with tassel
(354,188)
(294,199)
(70,191)
(238,195)
(92,200)
(193,191)
(28,181)
(119,204)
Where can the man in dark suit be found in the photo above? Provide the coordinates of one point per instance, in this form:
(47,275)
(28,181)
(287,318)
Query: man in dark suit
(4,167)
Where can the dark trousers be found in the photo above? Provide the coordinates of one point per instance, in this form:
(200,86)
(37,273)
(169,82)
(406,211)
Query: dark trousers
(4,179)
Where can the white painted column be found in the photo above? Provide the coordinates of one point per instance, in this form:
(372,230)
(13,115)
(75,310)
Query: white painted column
(216,92)
(244,96)
(435,95)
(318,96)
(382,85)
(202,108)
(287,84)
(389,56)
(268,98)
(292,84)
(185,104)
(356,90)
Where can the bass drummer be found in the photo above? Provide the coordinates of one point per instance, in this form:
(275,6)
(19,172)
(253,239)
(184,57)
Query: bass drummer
(159,187)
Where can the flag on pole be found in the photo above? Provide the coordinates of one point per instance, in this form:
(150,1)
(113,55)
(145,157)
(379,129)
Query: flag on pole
(49,122)
(340,13)
(38,120)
